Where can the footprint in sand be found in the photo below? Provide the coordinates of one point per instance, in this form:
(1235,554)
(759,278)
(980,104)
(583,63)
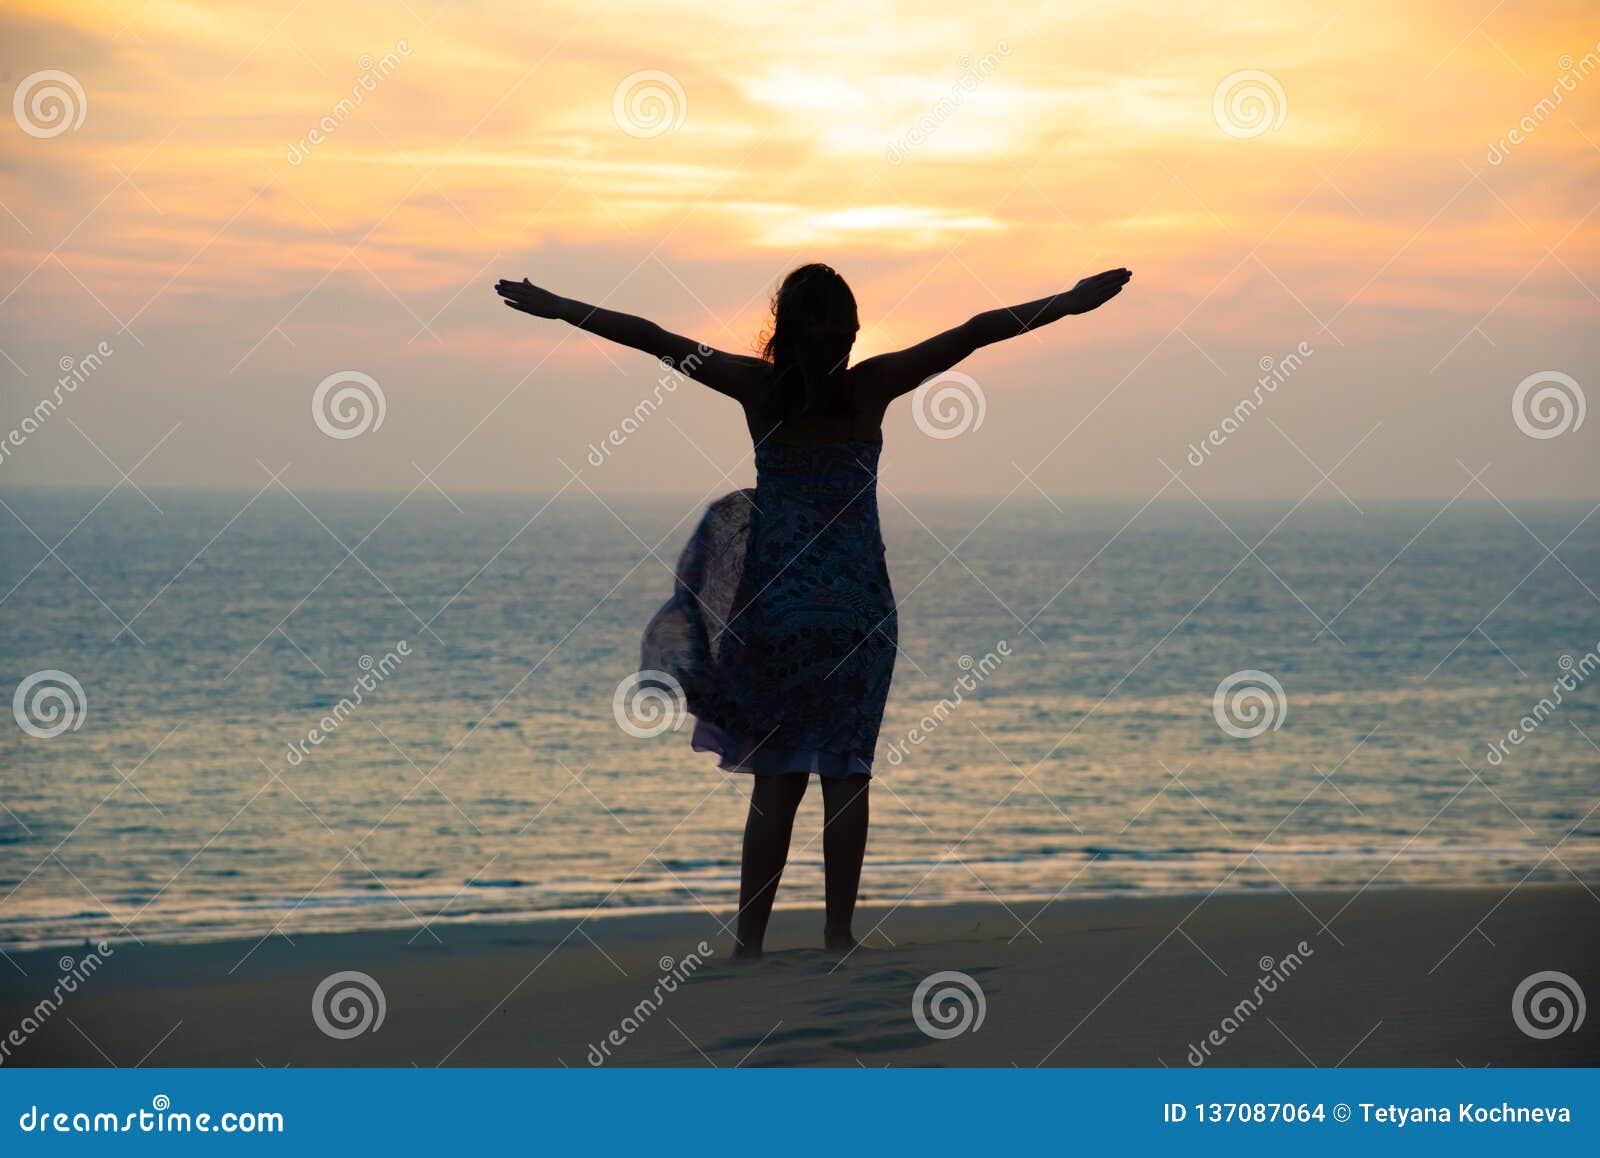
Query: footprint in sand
(706,976)
(888,977)
(843,1007)
(781,1036)
(884,1042)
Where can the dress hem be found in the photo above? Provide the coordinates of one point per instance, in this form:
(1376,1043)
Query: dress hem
(764,759)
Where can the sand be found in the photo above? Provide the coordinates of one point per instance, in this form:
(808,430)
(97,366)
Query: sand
(1383,977)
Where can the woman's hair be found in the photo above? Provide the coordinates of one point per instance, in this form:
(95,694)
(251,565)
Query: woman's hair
(813,328)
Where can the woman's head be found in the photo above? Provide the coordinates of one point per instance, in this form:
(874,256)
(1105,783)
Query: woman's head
(814,326)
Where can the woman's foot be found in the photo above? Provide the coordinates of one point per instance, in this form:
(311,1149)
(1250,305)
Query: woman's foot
(839,942)
(742,952)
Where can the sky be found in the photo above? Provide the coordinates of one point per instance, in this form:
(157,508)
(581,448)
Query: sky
(231,204)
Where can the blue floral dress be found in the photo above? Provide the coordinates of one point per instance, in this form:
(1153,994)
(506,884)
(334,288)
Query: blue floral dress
(781,628)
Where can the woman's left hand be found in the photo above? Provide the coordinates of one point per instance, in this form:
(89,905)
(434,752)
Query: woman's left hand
(1096,291)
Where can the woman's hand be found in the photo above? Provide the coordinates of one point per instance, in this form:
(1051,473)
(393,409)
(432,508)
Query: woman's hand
(530,299)
(1094,292)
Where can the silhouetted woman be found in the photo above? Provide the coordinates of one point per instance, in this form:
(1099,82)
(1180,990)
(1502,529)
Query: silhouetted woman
(781,630)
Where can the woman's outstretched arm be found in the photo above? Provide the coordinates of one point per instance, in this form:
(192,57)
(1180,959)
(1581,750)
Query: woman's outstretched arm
(730,374)
(891,375)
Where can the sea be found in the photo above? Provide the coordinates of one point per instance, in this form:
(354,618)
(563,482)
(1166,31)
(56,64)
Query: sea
(247,714)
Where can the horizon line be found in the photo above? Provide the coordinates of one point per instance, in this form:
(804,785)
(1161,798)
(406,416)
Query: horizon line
(554,494)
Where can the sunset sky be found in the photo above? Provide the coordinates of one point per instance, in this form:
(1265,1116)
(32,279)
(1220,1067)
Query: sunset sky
(947,158)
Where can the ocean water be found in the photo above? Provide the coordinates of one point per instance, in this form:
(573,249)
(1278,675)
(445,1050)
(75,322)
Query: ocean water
(485,776)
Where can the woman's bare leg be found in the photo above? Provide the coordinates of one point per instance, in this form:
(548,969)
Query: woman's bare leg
(844,844)
(767,829)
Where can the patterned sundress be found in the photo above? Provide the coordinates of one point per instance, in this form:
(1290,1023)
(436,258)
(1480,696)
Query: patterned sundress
(781,629)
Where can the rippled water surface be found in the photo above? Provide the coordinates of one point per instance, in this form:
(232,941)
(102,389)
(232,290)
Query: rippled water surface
(485,775)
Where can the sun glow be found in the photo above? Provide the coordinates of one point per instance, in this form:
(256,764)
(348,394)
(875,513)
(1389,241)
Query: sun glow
(265,180)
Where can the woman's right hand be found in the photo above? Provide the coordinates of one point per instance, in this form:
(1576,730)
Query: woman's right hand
(1096,291)
(530,299)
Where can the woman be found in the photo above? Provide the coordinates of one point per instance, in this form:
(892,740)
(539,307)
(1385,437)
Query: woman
(782,630)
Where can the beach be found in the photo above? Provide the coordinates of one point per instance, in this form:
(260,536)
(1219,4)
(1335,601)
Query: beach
(1380,977)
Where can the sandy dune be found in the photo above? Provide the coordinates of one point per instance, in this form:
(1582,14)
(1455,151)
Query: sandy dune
(1397,977)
